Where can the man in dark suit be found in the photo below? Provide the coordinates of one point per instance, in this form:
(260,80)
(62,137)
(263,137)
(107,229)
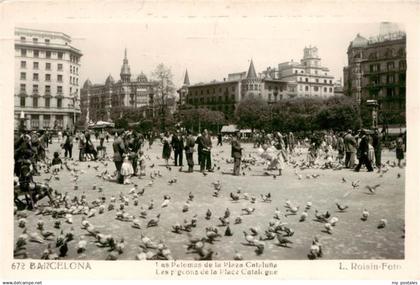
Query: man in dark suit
(178,146)
(364,150)
(119,149)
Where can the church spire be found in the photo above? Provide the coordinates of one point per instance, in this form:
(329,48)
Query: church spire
(125,69)
(251,71)
(186,78)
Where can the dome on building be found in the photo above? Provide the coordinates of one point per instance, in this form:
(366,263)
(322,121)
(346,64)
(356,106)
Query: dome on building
(359,41)
(142,78)
(109,80)
(87,83)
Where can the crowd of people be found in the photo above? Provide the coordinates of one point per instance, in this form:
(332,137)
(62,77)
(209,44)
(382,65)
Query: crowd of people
(129,151)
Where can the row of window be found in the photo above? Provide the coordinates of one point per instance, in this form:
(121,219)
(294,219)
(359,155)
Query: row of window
(389,78)
(316,72)
(316,80)
(35,77)
(35,102)
(40,53)
(211,90)
(316,88)
(35,89)
(389,66)
(35,40)
(47,54)
(35,65)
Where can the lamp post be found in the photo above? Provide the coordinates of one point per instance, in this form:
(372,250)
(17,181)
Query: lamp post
(373,104)
(22,122)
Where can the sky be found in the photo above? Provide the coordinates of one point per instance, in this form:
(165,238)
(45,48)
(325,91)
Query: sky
(208,49)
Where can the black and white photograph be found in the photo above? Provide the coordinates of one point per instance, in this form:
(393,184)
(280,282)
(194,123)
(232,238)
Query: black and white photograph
(235,140)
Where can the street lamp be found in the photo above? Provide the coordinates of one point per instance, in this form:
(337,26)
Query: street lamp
(22,121)
(373,104)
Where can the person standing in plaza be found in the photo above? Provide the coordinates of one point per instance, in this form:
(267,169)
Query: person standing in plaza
(189,150)
(364,153)
(292,142)
(219,139)
(350,148)
(236,154)
(166,152)
(119,149)
(340,148)
(281,155)
(377,145)
(82,146)
(177,143)
(68,145)
(206,152)
(400,149)
(101,139)
(199,142)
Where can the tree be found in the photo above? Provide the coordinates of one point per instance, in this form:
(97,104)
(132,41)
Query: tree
(165,89)
(252,113)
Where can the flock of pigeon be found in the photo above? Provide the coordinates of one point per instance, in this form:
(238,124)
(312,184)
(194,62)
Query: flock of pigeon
(77,221)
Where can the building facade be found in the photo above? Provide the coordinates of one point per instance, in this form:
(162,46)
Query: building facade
(377,71)
(108,101)
(311,78)
(225,95)
(47,71)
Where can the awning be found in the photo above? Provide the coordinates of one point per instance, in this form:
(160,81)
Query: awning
(229,129)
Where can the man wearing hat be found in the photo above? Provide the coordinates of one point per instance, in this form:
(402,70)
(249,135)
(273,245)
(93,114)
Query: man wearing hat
(189,150)
(364,150)
(119,150)
(236,154)
(350,149)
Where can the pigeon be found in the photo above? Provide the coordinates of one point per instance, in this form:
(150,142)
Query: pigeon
(328,228)
(248,211)
(238,256)
(303,216)
(165,203)
(234,196)
(238,220)
(308,206)
(81,246)
(292,210)
(153,222)
(120,246)
(342,208)
(315,250)
(333,221)
(227,213)
(382,223)
(365,215)
(151,205)
(277,214)
(355,184)
(266,197)
(190,197)
(343,180)
(186,207)
(22,223)
(283,241)
(136,224)
(249,238)
(372,189)
(208,214)
(224,221)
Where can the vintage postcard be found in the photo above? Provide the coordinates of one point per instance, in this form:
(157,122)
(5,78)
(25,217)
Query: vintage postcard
(197,140)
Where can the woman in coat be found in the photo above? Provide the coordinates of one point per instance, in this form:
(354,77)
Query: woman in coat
(166,153)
